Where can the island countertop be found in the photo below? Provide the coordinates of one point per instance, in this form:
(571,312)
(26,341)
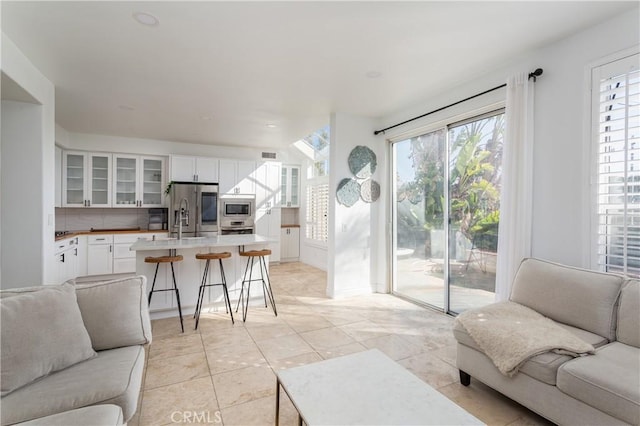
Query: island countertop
(196,242)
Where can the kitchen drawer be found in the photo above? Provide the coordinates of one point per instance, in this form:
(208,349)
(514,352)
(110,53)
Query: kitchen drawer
(121,251)
(63,245)
(99,239)
(128,238)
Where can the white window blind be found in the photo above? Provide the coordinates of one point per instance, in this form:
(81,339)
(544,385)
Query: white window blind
(616,90)
(317,229)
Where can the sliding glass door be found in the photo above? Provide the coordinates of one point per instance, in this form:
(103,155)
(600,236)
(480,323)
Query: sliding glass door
(446,211)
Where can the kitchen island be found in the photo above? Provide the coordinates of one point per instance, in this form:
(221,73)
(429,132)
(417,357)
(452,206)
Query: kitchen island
(189,271)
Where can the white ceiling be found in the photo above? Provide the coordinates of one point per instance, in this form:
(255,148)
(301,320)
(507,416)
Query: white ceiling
(219,72)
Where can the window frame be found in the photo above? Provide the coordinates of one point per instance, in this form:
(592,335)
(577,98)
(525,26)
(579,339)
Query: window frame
(592,112)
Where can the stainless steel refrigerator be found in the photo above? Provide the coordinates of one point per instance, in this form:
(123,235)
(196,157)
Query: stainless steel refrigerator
(193,209)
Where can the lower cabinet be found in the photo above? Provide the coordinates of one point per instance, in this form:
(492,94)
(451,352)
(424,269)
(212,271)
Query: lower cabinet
(99,254)
(289,244)
(66,260)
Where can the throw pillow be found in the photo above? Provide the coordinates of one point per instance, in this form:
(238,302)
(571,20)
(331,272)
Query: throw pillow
(115,312)
(42,332)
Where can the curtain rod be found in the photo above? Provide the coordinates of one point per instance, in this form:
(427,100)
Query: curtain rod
(535,74)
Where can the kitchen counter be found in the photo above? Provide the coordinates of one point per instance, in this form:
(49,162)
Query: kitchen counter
(72,234)
(199,242)
(189,270)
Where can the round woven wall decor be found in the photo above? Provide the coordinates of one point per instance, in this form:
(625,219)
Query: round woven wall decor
(369,190)
(362,162)
(348,192)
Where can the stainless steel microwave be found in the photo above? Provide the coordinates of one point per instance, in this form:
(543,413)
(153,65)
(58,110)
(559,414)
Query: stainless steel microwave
(237,210)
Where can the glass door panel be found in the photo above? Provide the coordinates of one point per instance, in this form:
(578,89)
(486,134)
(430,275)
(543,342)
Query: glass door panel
(475,158)
(419,238)
(446,209)
(283,186)
(126,175)
(100,180)
(295,178)
(75,179)
(152,181)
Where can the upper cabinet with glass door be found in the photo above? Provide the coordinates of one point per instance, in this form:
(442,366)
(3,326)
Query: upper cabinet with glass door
(138,181)
(86,179)
(290,186)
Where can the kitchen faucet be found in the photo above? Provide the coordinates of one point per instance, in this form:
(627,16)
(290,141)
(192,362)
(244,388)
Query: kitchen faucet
(184,216)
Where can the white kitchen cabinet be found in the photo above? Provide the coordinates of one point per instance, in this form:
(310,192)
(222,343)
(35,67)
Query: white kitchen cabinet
(99,254)
(267,223)
(290,186)
(193,169)
(66,259)
(86,179)
(237,177)
(290,243)
(267,178)
(138,181)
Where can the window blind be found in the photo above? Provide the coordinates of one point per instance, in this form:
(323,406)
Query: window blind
(617,116)
(317,211)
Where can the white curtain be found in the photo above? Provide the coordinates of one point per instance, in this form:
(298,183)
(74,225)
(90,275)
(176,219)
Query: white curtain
(516,197)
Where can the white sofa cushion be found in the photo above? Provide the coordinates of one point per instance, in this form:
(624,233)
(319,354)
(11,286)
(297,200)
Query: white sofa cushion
(608,381)
(97,415)
(548,287)
(115,312)
(112,377)
(42,332)
(628,330)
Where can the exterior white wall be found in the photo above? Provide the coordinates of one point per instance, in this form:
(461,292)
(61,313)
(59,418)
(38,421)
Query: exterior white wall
(27,175)
(561,202)
(355,235)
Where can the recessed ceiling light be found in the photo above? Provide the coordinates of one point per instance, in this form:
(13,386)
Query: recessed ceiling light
(145,18)
(373,74)
(271,126)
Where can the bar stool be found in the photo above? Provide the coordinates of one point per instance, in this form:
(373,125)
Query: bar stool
(266,285)
(166,259)
(227,304)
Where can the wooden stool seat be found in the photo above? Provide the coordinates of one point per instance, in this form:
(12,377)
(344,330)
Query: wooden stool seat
(255,253)
(163,259)
(213,256)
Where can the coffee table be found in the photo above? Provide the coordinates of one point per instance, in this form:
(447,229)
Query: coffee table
(365,388)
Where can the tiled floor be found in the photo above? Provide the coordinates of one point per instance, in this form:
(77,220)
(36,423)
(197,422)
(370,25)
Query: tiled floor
(224,373)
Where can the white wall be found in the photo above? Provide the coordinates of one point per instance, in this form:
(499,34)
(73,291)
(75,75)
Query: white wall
(90,142)
(561,205)
(355,236)
(28,138)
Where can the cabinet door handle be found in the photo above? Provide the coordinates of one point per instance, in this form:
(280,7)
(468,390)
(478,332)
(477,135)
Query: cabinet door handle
(89,202)
(62,258)
(100,239)
(110,248)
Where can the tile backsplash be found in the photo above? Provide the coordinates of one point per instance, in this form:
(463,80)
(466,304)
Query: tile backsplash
(83,219)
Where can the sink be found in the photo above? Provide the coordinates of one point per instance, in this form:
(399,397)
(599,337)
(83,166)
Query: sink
(165,239)
(193,238)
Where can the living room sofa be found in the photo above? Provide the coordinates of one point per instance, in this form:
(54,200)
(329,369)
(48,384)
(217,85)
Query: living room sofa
(601,309)
(73,354)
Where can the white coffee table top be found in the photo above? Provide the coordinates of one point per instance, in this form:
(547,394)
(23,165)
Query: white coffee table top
(367,388)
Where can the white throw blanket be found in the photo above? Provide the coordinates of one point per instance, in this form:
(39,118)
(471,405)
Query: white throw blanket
(510,333)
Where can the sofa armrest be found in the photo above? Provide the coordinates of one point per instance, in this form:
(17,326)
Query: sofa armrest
(115,312)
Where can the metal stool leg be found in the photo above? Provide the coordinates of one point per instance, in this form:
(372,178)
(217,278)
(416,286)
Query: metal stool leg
(227,305)
(154,284)
(242,287)
(201,291)
(266,287)
(175,287)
